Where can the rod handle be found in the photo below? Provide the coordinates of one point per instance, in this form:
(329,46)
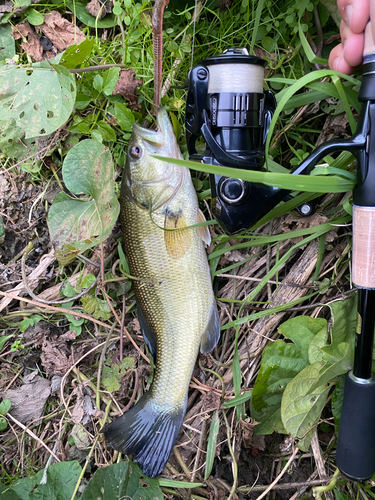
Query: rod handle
(355,455)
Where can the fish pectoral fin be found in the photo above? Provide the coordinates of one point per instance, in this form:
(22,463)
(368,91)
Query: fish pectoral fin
(211,334)
(148,432)
(148,335)
(203,231)
(177,237)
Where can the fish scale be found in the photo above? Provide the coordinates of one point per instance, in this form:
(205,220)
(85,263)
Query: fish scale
(175,301)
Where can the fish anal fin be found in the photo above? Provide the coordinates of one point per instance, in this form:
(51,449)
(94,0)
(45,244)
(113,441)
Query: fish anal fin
(211,334)
(203,231)
(148,432)
(148,335)
(177,238)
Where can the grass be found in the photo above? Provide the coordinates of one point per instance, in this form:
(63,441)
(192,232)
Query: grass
(285,266)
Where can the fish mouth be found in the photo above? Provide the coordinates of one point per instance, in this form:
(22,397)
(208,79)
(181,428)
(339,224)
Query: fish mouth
(162,135)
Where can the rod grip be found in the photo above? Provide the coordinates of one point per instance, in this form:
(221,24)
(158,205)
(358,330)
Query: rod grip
(355,455)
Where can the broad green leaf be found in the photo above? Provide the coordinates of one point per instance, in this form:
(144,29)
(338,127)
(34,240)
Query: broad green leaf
(8,494)
(211,443)
(59,483)
(110,78)
(79,9)
(337,400)
(87,169)
(5,406)
(344,314)
(3,424)
(75,55)
(281,362)
(120,481)
(301,330)
(302,404)
(124,116)
(7,43)
(25,100)
(313,184)
(34,17)
(98,83)
(105,130)
(3,340)
(337,361)
(315,352)
(96,306)
(13,142)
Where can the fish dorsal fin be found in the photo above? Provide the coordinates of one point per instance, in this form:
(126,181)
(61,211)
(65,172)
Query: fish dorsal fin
(177,238)
(211,334)
(148,334)
(203,231)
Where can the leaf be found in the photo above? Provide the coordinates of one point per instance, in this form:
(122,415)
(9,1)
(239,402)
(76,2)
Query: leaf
(171,483)
(344,314)
(75,55)
(309,183)
(13,142)
(337,400)
(79,9)
(2,230)
(110,78)
(7,43)
(4,339)
(34,17)
(5,406)
(82,223)
(308,50)
(3,424)
(315,352)
(281,362)
(301,330)
(7,494)
(302,404)
(99,308)
(112,374)
(120,481)
(124,116)
(25,100)
(211,443)
(60,482)
(238,400)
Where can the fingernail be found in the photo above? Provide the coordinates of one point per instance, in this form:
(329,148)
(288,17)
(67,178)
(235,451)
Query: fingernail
(348,13)
(336,63)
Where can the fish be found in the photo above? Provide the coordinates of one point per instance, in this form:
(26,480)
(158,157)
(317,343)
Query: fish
(176,305)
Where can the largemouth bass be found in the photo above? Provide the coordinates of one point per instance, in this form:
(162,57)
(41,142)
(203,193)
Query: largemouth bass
(175,301)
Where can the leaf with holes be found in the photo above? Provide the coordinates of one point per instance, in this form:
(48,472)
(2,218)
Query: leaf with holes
(25,100)
(76,224)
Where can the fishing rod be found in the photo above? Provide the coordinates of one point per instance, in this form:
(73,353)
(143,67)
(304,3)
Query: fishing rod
(226,105)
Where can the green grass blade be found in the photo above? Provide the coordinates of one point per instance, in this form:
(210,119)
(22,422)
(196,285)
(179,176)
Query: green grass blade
(211,444)
(238,400)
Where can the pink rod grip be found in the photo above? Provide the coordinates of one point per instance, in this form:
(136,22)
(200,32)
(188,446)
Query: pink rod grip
(363,271)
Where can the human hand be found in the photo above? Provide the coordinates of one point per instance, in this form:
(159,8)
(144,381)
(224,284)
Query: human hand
(355,15)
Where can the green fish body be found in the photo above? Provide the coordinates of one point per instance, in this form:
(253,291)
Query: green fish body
(175,301)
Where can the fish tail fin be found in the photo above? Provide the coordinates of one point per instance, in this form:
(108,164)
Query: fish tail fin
(148,432)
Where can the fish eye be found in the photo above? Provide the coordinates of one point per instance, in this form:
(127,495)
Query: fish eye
(135,152)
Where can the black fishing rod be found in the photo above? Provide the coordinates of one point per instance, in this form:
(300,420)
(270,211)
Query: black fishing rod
(226,104)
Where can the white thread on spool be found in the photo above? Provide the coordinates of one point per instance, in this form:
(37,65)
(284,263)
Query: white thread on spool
(235,78)
(363,270)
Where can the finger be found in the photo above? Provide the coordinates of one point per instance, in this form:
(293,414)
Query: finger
(337,62)
(352,45)
(355,13)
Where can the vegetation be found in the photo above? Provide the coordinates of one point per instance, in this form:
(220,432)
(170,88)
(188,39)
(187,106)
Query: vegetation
(264,407)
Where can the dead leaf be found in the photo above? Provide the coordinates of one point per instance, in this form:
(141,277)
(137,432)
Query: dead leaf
(30,40)
(28,400)
(81,437)
(211,401)
(126,86)
(96,9)
(55,358)
(294,222)
(60,31)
